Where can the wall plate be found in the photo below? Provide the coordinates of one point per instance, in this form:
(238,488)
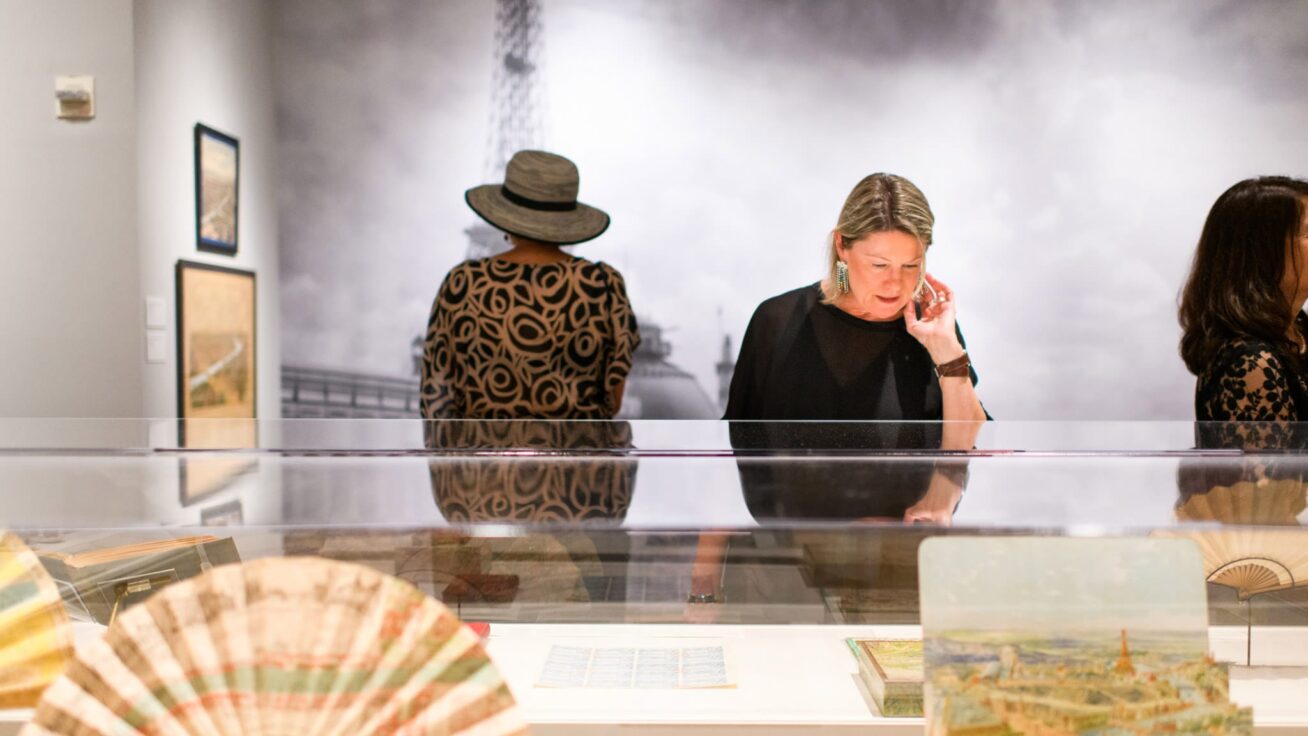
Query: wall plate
(75,97)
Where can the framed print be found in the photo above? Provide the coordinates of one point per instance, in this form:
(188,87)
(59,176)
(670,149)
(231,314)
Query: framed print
(216,377)
(217,190)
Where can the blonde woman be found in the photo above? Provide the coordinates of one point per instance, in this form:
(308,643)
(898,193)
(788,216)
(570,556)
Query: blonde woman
(874,340)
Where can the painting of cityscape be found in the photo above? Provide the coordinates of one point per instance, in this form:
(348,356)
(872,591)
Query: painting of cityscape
(1106,637)
(217,189)
(216,378)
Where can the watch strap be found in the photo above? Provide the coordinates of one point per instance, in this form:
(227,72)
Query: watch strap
(957,368)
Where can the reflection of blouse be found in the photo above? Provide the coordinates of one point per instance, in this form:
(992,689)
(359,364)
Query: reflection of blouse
(516,341)
(578,487)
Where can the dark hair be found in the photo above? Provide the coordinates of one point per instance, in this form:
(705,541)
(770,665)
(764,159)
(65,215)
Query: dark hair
(1234,287)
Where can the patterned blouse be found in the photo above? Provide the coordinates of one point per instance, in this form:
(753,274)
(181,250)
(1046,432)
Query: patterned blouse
(521,341)
(1252,380)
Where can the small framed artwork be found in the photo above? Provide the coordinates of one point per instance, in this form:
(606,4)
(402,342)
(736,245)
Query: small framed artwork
(216,377)
(217,190)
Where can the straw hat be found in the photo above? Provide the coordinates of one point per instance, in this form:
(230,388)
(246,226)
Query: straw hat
(538,200)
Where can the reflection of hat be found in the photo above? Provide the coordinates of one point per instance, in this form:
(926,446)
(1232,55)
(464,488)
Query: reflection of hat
(538,200)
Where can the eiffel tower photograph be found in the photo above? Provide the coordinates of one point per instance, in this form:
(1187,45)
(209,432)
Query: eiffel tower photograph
(517,115)
(658,387)
(722,137)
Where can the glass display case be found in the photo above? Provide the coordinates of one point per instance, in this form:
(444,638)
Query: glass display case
(766,544)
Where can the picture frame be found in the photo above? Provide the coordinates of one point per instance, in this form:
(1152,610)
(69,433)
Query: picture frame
(217,190)
(217,377)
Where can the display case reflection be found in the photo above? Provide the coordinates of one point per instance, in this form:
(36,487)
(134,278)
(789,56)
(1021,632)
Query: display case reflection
(1246,515)
(564,480)
(892,475)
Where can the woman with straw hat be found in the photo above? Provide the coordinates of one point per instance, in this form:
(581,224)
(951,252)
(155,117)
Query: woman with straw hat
(533,332)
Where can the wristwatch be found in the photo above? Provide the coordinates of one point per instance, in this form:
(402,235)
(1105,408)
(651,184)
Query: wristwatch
(956,368)
(702,598)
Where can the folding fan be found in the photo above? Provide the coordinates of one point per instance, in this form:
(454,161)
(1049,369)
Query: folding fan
(36,638)
(1252,560)
(300,646)
(1274,502)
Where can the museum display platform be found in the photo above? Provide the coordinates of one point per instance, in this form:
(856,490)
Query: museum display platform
(772,542)
(796,679)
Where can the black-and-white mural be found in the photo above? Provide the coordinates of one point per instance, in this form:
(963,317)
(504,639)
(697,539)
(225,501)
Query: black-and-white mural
(1070,151)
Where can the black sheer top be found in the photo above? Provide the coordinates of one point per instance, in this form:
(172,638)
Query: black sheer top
(1253,380)
(801,359)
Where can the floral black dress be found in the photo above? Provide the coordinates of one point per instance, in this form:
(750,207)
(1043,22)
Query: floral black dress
(528,341)
(1252,381)
(1252,398)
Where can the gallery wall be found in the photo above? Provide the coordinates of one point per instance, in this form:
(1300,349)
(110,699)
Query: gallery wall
(97,213)
(71,323)
(206,61)
(1070,151)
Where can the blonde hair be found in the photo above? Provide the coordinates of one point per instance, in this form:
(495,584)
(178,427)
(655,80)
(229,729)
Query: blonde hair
(879,203)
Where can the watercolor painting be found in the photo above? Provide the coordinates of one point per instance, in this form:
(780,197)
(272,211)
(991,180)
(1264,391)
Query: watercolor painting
(1070,636)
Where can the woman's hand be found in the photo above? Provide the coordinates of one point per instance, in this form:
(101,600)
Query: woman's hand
(937,505)
(935,328)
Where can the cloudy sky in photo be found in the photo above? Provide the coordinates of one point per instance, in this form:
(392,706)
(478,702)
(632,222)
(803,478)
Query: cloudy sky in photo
(1070,151)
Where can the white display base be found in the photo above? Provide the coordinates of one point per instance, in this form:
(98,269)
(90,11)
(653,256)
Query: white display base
(803,680)
(796,680)
(792,680)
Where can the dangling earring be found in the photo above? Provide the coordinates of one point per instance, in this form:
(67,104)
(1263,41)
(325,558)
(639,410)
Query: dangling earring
(842,277)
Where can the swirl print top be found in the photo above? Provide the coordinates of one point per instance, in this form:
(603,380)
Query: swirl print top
(528,341)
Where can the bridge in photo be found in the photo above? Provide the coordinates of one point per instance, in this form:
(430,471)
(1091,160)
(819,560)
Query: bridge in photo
(204,377)
(318,392)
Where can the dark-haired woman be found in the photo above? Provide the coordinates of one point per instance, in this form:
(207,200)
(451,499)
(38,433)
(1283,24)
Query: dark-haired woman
(1241,309)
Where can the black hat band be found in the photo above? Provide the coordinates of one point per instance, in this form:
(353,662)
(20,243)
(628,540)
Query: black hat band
(536,204)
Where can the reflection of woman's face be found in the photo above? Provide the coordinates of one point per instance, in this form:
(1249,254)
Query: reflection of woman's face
(884,270)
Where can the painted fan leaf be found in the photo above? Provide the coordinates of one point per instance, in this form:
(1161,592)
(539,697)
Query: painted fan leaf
(36,638)
(1276,502)
(283,646)
(1252,560)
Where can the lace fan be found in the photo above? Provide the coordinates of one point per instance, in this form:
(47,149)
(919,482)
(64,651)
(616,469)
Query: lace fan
(300,646)
(36,638)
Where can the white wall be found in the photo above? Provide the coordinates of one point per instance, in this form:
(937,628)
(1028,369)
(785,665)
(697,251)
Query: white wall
(94,215)
(70,326)
(206,61)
